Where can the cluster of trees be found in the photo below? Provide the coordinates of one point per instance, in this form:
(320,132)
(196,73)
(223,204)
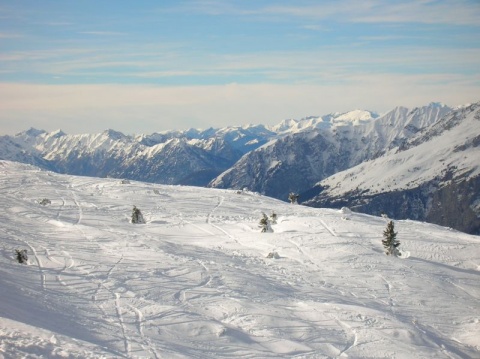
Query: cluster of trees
(266,222)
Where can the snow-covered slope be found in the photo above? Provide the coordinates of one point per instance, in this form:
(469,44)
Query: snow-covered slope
(194,281)
(443,157)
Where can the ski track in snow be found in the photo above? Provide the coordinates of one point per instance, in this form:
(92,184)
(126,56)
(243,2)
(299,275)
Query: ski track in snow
(122,325)
(203,287)
(182,295)
(331,231)
(209,218)
(388,287)
(352,342)
(39,265)
(59,211)
(209,215)
(80,211)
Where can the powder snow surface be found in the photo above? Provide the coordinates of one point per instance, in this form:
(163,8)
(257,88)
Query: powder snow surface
(194,281)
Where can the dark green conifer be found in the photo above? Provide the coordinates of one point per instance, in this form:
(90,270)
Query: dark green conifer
(137,216)
(265,224)
(390,241)
(273,218)
(22,256)
(293,198)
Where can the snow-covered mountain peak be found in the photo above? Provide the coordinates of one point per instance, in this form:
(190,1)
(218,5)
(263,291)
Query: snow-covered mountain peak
(55,134)
(28,138)
(284,126)
(355,117)
(401,122)
(114,135)
(32,132)
(332,120)
(254,127)
(436,105)
(435,109)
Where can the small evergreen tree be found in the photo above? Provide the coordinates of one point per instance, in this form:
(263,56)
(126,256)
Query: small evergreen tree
(45,202)
(273,255)
(273,218)
(265,224)
(390,242)
(293,198)
(137,216)
(21,255)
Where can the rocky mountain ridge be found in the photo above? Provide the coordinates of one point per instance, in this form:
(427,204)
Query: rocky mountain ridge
(298,161)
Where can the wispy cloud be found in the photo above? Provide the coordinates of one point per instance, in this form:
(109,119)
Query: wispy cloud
(8,35)
(212,7)
(329,63)
(460,12)
(56,23)
(316,27)
(385,38)
(102,33)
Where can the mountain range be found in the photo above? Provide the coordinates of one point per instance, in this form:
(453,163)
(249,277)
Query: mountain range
(307,156)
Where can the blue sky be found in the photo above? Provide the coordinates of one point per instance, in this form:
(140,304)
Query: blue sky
(146,66)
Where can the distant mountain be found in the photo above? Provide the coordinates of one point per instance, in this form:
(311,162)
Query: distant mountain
(433,176)
(173,157)
(193,157)
(331,144)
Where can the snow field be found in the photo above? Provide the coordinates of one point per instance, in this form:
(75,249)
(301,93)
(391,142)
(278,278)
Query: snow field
(194,281)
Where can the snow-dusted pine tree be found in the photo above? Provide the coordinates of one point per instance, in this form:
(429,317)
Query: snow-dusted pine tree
(22,256)
(273,218)
(390,242)
(265,224)
(45,202)
(293,198)
(137,216)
